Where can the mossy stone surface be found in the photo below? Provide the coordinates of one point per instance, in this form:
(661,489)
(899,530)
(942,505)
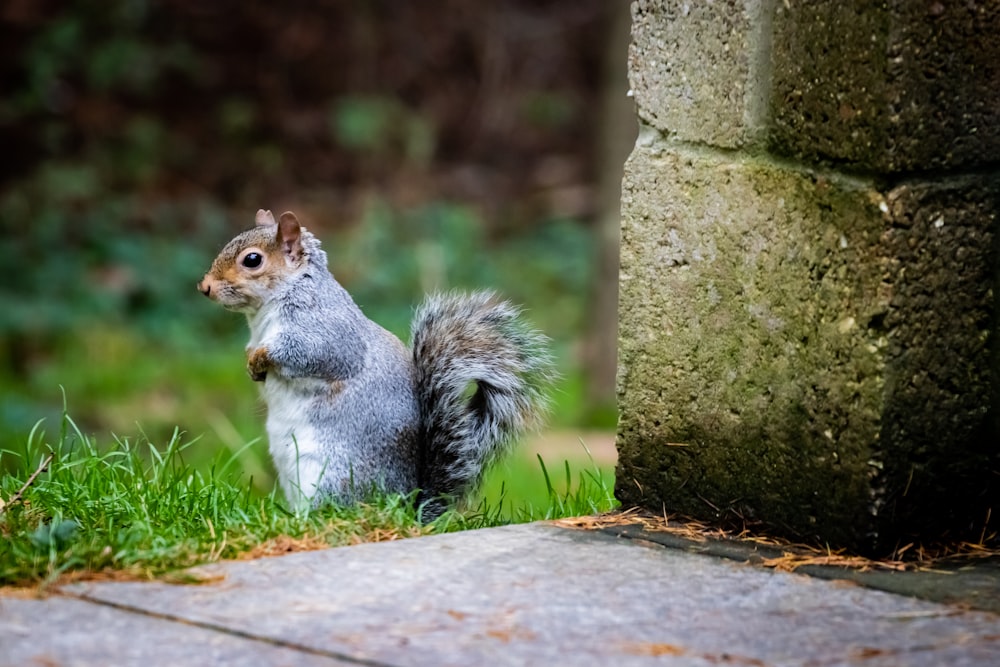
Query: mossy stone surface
(886,86)
(870,87)
(773,325)
(692,69)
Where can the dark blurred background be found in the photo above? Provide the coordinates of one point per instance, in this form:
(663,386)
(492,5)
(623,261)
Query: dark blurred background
(430,145)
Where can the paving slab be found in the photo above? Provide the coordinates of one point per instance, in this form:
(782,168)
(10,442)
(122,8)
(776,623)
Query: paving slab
(539,594)
(972,583)
(61,631)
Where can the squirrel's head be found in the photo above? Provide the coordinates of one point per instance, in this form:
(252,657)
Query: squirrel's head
(254,265)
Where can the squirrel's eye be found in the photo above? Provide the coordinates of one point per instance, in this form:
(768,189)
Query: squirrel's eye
(253,260)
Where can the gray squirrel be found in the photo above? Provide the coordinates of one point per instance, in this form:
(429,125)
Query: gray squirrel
(350,408)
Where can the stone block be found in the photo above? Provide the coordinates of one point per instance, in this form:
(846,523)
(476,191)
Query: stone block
(806,350)
(888,86)
(693,69)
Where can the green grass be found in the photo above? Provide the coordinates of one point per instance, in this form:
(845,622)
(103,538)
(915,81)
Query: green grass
(144,509)
(529,489)
(114,377)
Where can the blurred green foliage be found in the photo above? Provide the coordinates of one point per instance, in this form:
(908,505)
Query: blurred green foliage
(380,125)
(141,136)
(120,323)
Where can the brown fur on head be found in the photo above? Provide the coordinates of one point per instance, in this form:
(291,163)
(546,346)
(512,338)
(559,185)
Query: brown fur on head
(251,266)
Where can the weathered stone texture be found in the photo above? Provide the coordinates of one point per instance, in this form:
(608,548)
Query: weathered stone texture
(692,66)
(877,86)
(940,440)
(887,86)
(789,343)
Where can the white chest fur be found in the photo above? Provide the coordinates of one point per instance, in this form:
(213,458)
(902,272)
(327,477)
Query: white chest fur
(292,441)
(265,326)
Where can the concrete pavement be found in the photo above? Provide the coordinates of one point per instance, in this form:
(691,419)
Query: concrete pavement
(534,594)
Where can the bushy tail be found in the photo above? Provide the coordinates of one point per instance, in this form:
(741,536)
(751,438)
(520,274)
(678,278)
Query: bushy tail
(481,376)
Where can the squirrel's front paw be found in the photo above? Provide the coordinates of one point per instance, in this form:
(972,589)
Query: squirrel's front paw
(258,364)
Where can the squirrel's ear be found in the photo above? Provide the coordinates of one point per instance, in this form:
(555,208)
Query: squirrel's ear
(290,235)
(264,218)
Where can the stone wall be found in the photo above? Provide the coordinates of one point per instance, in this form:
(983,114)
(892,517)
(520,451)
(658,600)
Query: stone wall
(809,264)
